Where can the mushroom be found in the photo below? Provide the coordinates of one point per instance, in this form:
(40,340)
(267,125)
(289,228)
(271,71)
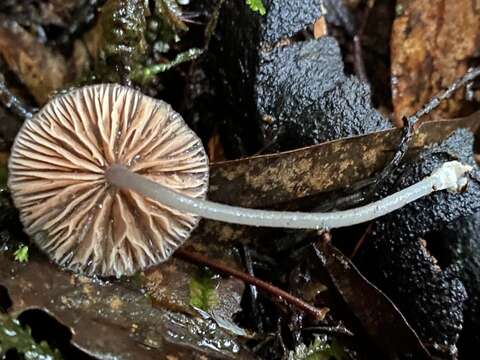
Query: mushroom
(56,176)
(109,181)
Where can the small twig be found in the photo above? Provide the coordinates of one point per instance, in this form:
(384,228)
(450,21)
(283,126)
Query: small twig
(318,314)
(12,103)
(412,122)
(280,337)
(261,344)
(471,74)
(359,62)
(360,242)
(358,59)
(253,289)
(334,330)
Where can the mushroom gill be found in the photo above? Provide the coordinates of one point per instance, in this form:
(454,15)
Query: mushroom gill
(57,179)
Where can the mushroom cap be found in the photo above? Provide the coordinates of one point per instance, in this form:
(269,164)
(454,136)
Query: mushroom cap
(57,179)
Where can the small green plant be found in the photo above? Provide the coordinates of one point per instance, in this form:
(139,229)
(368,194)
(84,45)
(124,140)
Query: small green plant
(319,349)
(21,254)
(203,293)
(399,10)
(257,6)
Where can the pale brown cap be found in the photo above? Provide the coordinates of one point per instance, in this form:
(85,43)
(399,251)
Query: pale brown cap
(56,176)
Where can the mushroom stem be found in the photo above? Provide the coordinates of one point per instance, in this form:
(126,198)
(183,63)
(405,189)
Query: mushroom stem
(450,176)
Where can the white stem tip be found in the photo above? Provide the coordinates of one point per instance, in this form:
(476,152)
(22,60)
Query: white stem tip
(451,176)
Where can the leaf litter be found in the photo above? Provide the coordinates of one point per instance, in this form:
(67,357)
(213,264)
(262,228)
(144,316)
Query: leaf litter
(204,313)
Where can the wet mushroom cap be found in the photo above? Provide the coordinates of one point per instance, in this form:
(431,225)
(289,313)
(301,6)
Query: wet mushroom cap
(57,179)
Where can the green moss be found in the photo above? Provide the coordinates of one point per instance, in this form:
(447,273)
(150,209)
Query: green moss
(203,293)
(14,336)
(123,46)
(257,6)
(319,349)
(144,74)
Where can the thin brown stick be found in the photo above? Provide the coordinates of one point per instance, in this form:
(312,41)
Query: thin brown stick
(318,314)
(359,62)
(361,240)
(412,122)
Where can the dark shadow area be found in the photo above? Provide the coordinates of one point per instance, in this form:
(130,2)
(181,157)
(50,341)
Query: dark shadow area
(439,249)
(45,327)
(5,301)
(12,354)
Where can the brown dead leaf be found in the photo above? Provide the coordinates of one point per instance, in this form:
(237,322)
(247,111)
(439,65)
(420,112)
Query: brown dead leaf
(112,319)
(433,43)
(266,180)
(168,284)
(379,316)
(41,69)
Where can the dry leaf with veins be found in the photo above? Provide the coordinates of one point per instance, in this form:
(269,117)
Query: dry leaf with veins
(57,168)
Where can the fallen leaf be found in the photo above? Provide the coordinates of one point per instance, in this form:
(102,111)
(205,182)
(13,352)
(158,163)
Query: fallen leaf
(262,181)
(179,286)
(41,69)
(112,319)
(432,44)
(379,316)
